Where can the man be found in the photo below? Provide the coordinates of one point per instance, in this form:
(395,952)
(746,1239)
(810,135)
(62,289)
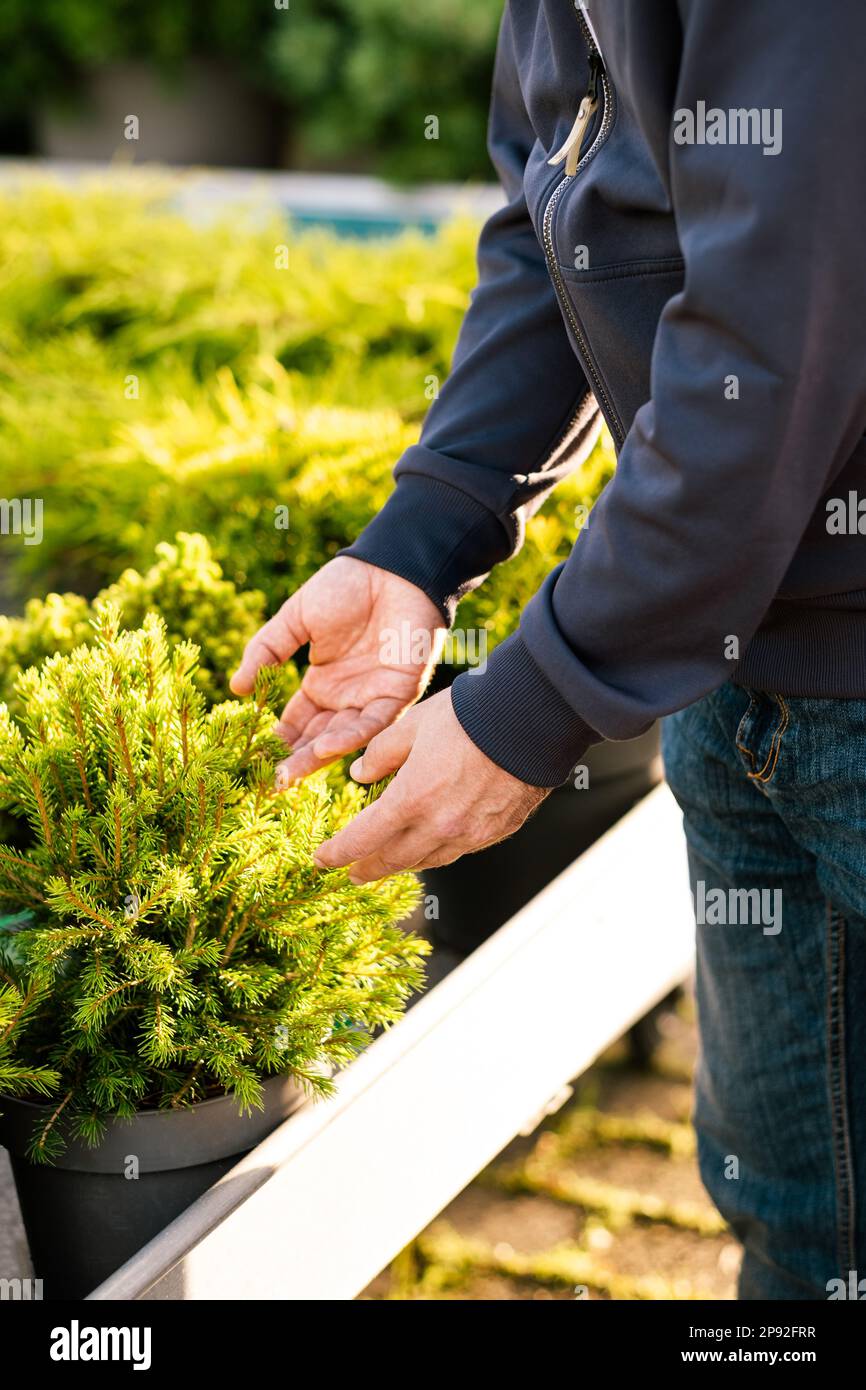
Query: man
(681,251)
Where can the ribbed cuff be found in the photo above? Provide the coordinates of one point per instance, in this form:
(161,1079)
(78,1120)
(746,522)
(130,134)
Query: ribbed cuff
(436,536)
(515,715)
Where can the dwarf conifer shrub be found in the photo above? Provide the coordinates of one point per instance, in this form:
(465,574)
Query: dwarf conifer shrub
(132,364)
(56,623)
(184,586)
(168,936)
(113,272)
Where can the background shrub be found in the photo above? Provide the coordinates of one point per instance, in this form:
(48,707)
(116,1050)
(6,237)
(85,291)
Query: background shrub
(184,586)
(355,83)
(169,378)
(379,70)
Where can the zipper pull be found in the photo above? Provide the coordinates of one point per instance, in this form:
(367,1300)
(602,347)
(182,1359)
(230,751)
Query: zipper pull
(570,151)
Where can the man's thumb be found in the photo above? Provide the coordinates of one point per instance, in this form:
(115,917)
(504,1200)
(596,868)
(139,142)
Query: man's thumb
(387,751)
(272,645)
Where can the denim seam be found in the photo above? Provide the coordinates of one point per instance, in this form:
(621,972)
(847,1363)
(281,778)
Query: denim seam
(768,771)
(837,1078)
(740,735)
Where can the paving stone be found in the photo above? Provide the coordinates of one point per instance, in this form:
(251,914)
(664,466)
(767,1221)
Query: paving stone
(689,1263)
(526,1223)
(642,1170)
(14,1255)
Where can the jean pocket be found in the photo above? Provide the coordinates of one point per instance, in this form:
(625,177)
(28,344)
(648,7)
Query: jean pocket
(760,733)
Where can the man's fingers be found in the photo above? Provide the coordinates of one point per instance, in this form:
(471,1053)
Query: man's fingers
(339,736)
(351,729)
(316,726)
(387,751)
(367,834)
(296,717)
(328,736)
(273,644)
(306,756)
(412,850)
(302,763)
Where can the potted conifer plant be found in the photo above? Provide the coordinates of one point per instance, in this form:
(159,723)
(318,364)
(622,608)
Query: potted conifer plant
(174,972)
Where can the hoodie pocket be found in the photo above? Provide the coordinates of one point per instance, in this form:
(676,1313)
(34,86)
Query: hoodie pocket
(618,308)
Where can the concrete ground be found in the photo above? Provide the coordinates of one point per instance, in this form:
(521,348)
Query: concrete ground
(604,1201)
(14,1256)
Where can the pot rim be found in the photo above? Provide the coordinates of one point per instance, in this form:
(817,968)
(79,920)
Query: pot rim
(175,1143)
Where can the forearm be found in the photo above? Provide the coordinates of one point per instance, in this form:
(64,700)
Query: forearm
(515,414)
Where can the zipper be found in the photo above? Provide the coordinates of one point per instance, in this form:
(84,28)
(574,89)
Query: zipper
(570,153)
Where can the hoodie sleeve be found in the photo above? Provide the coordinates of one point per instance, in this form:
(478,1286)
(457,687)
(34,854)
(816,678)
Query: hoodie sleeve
(515,413)
(715,486)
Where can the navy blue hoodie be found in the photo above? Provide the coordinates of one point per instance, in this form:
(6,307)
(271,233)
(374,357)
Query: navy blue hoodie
(691,271)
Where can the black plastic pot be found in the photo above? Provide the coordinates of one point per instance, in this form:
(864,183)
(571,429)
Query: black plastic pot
(84,1216)
(477,894)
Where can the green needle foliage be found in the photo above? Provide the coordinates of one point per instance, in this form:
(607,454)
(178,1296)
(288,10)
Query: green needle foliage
(184,586)
(171,937)
(253,390)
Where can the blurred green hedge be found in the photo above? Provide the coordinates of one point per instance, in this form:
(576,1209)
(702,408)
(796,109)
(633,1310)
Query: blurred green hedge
(364,78)
(157,377)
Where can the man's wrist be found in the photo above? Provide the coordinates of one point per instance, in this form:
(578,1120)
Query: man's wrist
(435,536)
(517,717)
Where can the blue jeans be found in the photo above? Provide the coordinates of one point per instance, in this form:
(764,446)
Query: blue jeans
(773,792)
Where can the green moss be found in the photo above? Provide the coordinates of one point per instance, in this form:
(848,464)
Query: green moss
(449,1256)
(618,1205)
(584,1127)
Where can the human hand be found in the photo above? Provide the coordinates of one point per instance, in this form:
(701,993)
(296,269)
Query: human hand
(447,799)
(350,691)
